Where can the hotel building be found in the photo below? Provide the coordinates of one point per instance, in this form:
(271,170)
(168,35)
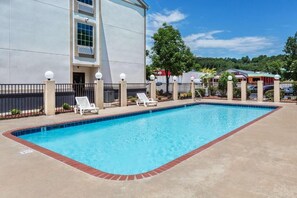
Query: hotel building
(72,38)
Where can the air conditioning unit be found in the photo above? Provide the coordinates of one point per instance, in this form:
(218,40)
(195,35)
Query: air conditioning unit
(85,8)
(85,50)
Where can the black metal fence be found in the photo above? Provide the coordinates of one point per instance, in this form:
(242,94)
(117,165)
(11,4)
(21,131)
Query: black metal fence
(21,100)
(111,95)
(66,93)
(288,91)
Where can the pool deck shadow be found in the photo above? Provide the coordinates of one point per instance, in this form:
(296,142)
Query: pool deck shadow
(258,161)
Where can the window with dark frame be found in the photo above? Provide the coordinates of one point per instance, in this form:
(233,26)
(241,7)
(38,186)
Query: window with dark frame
(89,2)
(85,36)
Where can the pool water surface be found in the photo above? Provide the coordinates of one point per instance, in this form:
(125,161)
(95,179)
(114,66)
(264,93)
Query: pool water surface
(140,143)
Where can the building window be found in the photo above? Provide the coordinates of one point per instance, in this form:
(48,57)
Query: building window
(89,2)
(86,7)
(85,35)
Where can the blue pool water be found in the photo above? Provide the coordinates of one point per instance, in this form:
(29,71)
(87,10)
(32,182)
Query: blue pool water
(140,143)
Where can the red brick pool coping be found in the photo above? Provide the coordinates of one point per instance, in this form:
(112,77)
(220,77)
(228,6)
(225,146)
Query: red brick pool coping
(104,175)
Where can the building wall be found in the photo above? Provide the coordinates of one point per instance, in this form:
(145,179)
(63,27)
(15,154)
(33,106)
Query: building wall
(123,41)
(34,38)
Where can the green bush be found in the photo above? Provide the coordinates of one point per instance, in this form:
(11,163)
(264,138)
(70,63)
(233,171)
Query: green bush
(66,106)
(270,94)
(223,80)
(237,93)
(212,90)
(201,91)
(15,111)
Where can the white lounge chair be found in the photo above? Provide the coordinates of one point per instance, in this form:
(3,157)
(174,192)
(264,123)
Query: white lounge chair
(143,99)
(83,105)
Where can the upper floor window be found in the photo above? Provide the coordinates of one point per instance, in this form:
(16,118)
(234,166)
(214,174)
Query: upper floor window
(89,2)
(85,35)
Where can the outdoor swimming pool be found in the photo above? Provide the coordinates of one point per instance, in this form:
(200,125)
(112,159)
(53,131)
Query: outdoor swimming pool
(140,143)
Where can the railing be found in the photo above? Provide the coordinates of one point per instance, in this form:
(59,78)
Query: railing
(21,100)
(111,95)
(288,91)
(66,93)
(184,91)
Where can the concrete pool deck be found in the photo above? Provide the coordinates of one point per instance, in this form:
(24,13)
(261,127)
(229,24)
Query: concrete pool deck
(258,161)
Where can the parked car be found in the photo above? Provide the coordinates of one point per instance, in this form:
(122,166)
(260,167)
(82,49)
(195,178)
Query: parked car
(267,88)
(254,88)
(288,90)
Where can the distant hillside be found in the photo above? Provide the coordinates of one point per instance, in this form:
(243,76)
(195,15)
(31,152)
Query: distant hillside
(263,63)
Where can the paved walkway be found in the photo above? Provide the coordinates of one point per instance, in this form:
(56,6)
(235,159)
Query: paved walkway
(258,161)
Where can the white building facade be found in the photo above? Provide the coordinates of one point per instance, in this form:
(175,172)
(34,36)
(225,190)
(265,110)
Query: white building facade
(72,38)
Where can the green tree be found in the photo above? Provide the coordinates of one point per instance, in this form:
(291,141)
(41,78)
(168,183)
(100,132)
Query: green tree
(223,82)
(291,55)
(170,53)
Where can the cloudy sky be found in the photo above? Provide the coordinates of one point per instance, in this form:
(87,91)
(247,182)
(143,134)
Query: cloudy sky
(227,28)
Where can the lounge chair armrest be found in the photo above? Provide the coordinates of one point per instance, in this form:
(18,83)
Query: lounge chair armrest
(93,105)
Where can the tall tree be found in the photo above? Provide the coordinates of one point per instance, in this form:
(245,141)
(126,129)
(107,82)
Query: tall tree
(291,52)
(170,53)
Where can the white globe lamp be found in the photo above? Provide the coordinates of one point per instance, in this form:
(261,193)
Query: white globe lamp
(192,78)
(174,78)
(277,77)
(49,75)
(98,75)
(230,78)
(123,76)
(152,77)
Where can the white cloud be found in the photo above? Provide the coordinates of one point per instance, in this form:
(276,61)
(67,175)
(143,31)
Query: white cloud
(238,44)
(155,20)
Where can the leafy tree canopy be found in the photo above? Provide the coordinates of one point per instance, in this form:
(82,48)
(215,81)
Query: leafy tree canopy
(291,55)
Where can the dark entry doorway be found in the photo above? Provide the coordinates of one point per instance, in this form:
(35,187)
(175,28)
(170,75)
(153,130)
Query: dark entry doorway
(79,83)
(78,78)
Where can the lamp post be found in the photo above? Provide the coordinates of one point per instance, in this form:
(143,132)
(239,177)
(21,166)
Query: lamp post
(175,88)
(49,93)
(153,87)
(123,90)
(99,90)
(230,88)
(276,93)
(192,87)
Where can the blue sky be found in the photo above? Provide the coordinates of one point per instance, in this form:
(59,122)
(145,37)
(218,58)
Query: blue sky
(227,28)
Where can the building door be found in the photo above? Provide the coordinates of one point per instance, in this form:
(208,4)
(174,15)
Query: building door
(78,78)
(79,83)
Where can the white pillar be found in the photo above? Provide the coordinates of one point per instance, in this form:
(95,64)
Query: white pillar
(193,90)
(123,93)
(230,90)
(243,90)
(260,91)
(175,91)
(153,89)
(276,90)
(99,93)
(49,97)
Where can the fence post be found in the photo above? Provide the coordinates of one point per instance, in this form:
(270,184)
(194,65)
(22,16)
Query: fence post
(175,91)
(153,89)
(243,90)
(260,90)
(49,97)
(123,93)
(230,88)
(193,89)
(276,90)
(99,94)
